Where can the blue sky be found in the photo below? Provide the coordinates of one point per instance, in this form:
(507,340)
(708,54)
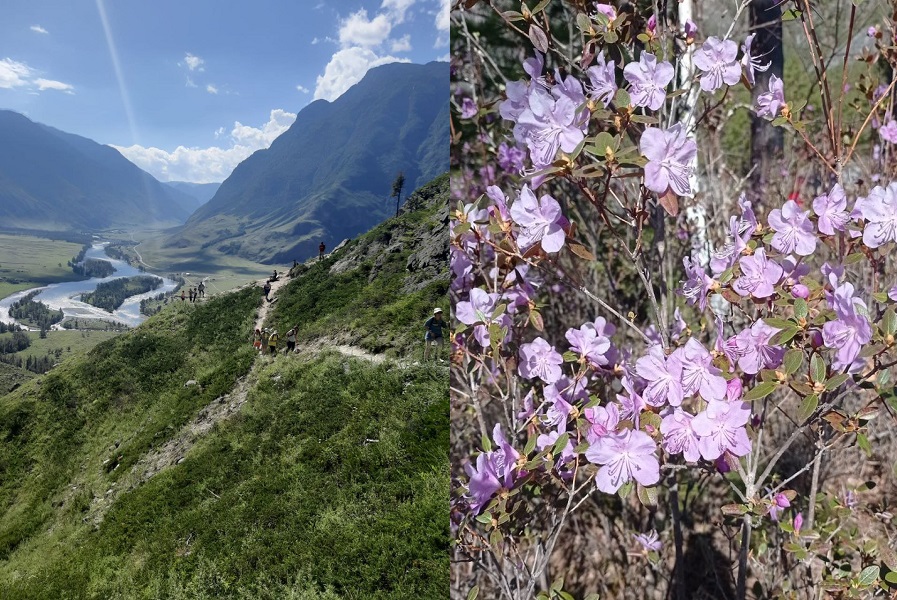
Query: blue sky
(188,88)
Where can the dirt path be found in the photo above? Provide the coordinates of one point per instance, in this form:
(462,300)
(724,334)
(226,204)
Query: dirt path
(266,306)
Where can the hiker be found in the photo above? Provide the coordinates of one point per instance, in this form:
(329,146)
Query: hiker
(183,296)
(257,339)
(291,340)
(321,249)
(192,295)
(295,264)
(272,342)
(264,340)
(274,277)
(433,337)
(267,290)
(202,290)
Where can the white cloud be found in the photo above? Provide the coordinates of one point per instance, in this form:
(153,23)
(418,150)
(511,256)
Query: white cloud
(443,23)
(190,82)
(303,89)
(403,44)
(38,29)
(50,84)
(194,62)
(206,165)
(211,89)
(396,9)
(315,41)
(13,73)
(346,68)
(358,30)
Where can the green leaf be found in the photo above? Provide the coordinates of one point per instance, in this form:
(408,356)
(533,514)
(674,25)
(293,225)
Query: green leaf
(807,407)
(621,98)
(557,584)
(473,593)
(611,36)
(880,297)
(800,308)
(570,356)
(835,381)
(792,547)
(565,595)
(560,444)
(734,510)
(487,444)
(891,577)
(794,359)
(779,323)
(868,576)
(512,15)
(603,141)
(484,518)
(583,22)
(817,368)
(854,258)
(871,350)
(592,596)
(761,390)
(530,445)
(863,443)
(625,490)
(784,336)
(647,495)
(889,322)
(541,6)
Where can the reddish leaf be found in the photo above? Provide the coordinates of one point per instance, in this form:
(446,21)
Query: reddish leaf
(581,251)
(538,38)
(670,203)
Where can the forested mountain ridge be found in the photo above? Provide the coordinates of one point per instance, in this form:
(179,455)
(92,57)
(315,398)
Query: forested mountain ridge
(329,176)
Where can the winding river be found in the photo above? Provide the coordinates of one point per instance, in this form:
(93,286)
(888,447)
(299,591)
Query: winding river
(66,296)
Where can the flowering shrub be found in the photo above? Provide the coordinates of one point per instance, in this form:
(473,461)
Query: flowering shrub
(607,388)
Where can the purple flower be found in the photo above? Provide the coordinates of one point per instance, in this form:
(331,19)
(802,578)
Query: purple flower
(678,435)
(892,293)
(478,311)
(831,210)
(494,470)
(670,156)
(798,523)
(540,221)
(751,63)
(547,440)
(539,359)
(607,10)
(850,331)
(648,80)
(698,373)
(602,82)
(627,455)
(794,230)
(758,275)
(651,25)
(510,158)
(717,59)
(730,348)
(517,93)
(888,132)
(721,429)
(697,284)
(664,377)
(589,344)
(603,419)
(468,108)
(649,541)
(771,103)
(631,402)
(756,351)
(880,210)
(799,290)
(691,30)
(549,124)
(779,503)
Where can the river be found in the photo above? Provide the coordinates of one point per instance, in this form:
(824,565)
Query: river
(66,296)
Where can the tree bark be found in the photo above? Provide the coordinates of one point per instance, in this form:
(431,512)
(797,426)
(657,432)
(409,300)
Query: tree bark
(767,142)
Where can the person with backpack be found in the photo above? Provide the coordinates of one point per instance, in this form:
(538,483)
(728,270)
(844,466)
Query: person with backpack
(291,340)
(267,290)
(257,339)
(433,337)
(264,345)
(202,290)
(321,249)
(272,342)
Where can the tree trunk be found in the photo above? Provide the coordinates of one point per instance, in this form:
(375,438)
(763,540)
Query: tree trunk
(767,142)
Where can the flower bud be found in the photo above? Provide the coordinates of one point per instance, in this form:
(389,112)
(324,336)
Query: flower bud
(815,338)
(800,291)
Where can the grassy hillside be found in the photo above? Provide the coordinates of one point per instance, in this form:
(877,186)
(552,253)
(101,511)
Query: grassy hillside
(377,292)
(330,482)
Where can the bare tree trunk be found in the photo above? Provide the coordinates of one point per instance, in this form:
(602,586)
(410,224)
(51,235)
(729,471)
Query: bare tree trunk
(767,142)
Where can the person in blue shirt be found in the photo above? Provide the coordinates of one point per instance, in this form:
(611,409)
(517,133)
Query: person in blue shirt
(433,337)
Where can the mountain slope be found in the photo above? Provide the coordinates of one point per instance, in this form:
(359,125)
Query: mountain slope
(329,177)
(197,193)
(53,180)
(329,481)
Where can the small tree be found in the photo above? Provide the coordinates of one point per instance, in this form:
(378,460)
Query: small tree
(397,186)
